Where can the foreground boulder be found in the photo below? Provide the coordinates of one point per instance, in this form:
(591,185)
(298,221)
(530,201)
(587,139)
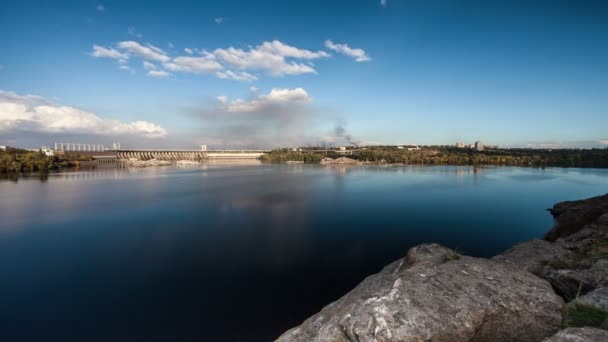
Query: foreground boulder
(436,294)
(579,335)
(534,256)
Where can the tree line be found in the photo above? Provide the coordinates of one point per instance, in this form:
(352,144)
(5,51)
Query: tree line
(445,155)
(14,160)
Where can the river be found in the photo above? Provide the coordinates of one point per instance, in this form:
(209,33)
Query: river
(240,251)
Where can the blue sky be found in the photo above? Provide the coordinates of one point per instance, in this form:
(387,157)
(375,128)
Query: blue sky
(270,73)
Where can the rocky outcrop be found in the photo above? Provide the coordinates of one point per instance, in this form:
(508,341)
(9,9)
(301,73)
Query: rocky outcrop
(572,216)
(579,335)
(576,262)
(436,294)
(534,256)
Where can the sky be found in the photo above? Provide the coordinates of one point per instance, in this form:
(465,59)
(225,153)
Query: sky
(265,74)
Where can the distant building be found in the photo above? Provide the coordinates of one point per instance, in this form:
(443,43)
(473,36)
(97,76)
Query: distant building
(414,148)
(116,146)
(342,150)
(203,147)
(3,148)
(460,144)
(47,151)
(400,147)
(478,146)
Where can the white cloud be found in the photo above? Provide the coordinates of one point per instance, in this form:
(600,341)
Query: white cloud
(218,20)
(358,54)
(36,114)
(383,3)
(102,52)
(205,64)
(276,97)
(276,47)
(253,89)
(281,116)
(603,141)
(100,8)
(149,66)
(237,76)
(159,73)
(270,57)
(149,51)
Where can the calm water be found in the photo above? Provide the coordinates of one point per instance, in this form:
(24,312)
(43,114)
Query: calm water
(240,252)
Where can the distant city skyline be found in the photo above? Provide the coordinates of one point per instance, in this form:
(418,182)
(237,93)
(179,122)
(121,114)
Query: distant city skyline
(268,73)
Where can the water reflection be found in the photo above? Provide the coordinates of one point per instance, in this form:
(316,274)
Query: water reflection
(168,253)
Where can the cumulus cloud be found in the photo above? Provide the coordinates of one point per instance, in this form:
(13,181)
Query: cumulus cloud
(358,54)
(102,52)
(278,48)
(237,76)
(100,8)
(148,65)
(276,97)
(270,57)
(281,117)
(28,113)
(218,20)
(205,64)
(273,58)
(148,51)
(159,73)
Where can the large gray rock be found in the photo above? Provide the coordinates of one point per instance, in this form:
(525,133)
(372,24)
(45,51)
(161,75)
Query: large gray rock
(597,298)
(534,256)
(569,283)
(572,216)
(579,335)
(436,294)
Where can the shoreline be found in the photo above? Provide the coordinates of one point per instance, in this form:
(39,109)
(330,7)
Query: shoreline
(557,287)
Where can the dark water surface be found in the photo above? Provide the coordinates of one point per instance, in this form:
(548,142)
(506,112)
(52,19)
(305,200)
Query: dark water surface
(240,252)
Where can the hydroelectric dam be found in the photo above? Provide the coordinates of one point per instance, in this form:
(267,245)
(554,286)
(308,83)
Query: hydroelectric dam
(100,153)
(188,154)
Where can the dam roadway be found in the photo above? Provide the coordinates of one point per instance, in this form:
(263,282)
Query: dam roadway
(145,154)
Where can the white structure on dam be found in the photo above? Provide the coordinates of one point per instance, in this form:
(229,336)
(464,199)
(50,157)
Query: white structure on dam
(73,147)
(189,154)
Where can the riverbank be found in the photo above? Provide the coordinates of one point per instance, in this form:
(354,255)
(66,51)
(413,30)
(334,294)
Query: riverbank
(527,293)
(13,160)
(445,155)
